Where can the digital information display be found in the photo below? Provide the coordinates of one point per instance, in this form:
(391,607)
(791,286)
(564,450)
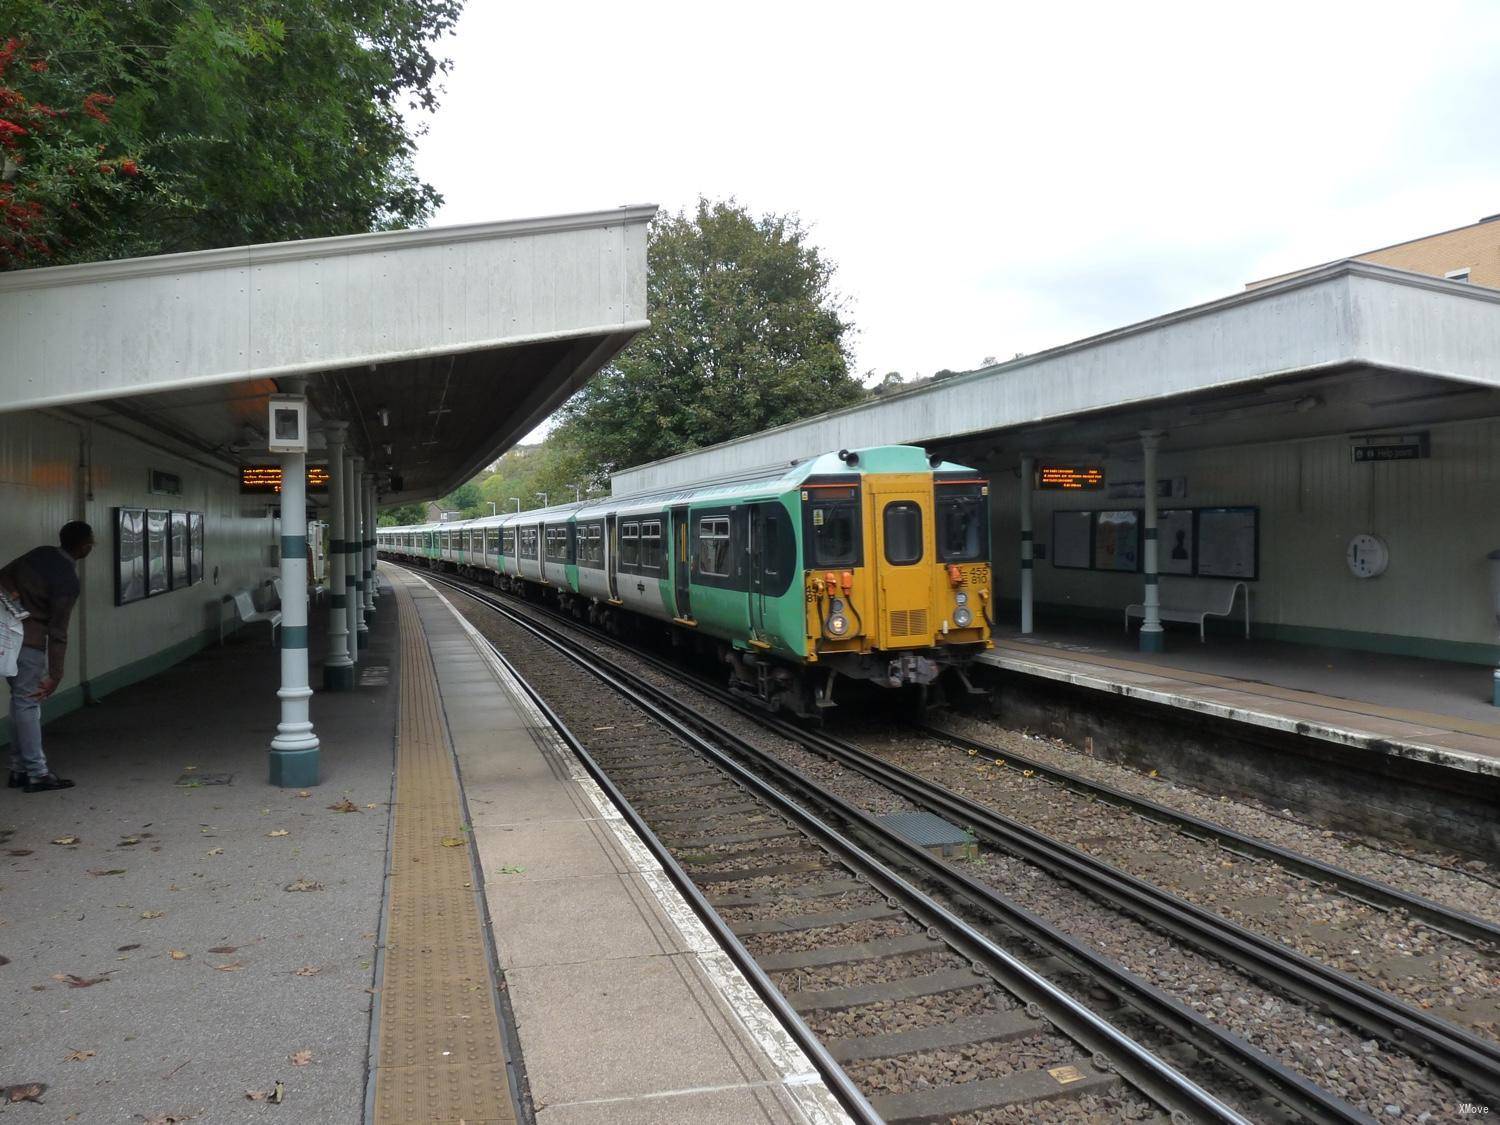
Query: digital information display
(266,479)
(1085,478)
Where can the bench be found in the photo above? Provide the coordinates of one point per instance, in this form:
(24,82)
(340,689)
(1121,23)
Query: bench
(1195,599)
(245,610)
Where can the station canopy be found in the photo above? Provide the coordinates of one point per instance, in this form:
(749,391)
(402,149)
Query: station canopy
(441,348)
(1348,348)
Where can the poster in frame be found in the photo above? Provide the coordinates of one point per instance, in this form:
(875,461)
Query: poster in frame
(195,547)
(1176,544)
(130,555)
(1228,543)
(157,575)
(1072,540)
(177,551)
(1117,540)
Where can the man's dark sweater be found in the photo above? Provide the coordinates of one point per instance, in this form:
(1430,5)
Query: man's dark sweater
(46,581)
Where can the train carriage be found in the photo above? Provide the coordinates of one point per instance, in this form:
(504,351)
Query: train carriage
(869,564)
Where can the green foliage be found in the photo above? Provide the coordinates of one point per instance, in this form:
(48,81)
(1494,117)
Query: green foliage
(746,333)
(465,499)
(402,515)
(553,467)
(240,121)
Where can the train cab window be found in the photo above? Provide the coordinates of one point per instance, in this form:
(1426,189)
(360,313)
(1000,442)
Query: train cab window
(713,546)
(630,544)
(963,522)
(833,529)
(651,555)
(508,541)
(903,533)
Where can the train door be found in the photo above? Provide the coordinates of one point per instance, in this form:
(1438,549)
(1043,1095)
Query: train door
(900,510)
(612,547)
(682,544)
(758,557)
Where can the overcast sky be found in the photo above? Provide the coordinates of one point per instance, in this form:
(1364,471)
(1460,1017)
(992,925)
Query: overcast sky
(990,178)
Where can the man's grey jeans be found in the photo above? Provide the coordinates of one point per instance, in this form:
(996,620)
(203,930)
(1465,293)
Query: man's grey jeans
(26,714)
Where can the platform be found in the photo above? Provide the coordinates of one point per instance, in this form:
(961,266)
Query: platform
(1427,711)
(386,945)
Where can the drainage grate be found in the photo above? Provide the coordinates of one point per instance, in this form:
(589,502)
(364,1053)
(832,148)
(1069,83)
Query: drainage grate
(193,780)
(930,831)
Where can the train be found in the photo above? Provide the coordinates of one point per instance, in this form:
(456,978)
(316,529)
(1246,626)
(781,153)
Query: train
(871,564)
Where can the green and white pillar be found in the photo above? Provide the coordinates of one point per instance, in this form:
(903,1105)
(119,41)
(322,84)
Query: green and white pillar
(356,549)
(294,750)
(338,668)
(1151,630)
(1028,473)
(369,543)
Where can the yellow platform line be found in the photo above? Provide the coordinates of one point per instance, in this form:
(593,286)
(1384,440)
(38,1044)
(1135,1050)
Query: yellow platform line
(439,1054)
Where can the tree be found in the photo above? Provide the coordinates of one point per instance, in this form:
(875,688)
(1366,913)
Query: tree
(168,125)
(465,499)
(746,333)
(402,515)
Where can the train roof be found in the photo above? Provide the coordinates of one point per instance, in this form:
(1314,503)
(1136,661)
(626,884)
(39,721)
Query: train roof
(772,482)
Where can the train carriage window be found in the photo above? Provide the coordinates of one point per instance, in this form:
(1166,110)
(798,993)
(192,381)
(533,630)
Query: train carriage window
(508,541)
(651,554)
(630,544)
(591,544)
(903,533)
(713,545)
(492,541)
(833,529)
(963,522)
(528,543)
(557,544)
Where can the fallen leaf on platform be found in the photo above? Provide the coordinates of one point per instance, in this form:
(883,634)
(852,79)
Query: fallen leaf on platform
(77,1056)
(510,870)
(232,967)
(39,988)
(279,832)
(106,871)
(19,851)
(372,805)
(153,913)
(77,982)
(303,885)
(224,949)
(179,955)
(129,841)
(167,1118)
(215,851)
(308,971)
(66,841)
(345,805)
(128,948)
(303,793)
(453,841)
(255,1095)
(278,1095)
(25,1092)
(300,1058)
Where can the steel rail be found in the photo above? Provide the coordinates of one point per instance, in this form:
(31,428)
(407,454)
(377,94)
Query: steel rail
(1076,1020)
(1435,914)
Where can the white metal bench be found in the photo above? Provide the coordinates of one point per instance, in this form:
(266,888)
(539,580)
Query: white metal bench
(1195,599)
(245,610)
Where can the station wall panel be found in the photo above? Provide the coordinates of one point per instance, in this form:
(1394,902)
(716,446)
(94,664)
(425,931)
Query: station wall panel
(1435,514)
(52,471)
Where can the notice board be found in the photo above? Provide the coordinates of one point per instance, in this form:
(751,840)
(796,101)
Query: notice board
(1072,539)
(1229,542)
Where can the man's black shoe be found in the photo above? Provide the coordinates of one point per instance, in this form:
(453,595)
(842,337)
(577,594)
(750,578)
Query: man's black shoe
(17,779)
(51,781)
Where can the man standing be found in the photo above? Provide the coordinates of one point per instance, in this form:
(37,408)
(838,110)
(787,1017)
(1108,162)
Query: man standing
(45,582)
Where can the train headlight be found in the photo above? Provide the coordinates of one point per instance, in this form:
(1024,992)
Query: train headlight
(962,617)
(961,598)
(837,625)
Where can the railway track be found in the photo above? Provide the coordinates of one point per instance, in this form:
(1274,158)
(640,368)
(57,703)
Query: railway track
(1214,1046)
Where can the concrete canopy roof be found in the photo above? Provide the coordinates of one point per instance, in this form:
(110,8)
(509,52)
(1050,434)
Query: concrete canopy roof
(1349,347)
(446,345)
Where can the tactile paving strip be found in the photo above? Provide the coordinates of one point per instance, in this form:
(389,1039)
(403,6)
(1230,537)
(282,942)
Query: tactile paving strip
(439,1054)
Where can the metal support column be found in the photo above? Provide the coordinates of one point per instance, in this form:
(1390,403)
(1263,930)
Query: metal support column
(356,551)
(294,750)
(338,668)
(1028,474)
(1151,631)
(368,497)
